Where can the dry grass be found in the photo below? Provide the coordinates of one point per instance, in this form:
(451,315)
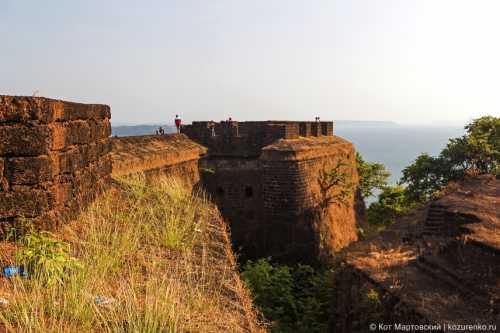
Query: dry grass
(160,252)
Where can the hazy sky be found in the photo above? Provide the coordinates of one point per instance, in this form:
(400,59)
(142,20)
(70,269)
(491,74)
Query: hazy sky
(413,61)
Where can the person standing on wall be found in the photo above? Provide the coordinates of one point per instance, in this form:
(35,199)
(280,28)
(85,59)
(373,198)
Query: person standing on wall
(178,123)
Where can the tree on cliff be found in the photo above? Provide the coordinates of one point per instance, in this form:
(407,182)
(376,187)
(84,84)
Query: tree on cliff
(372,176)
(392,203)
(392,200)
(478,152)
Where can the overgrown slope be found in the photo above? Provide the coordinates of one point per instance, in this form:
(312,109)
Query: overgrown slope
(151,257)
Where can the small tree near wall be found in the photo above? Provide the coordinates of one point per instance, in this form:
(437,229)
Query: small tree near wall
(335,185)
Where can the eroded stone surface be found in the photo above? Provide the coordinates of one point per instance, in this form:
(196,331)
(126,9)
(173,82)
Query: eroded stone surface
(174,155)
(54,156)
(439,265)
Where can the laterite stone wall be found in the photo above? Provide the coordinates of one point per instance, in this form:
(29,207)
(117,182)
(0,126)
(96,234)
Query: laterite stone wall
(172,155)
(54,157)
(264,177)
(292,199)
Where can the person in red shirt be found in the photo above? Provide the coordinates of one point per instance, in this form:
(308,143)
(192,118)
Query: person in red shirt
(178,123)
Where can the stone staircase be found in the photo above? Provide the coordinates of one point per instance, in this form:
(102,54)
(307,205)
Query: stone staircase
(438,271)
(435,223)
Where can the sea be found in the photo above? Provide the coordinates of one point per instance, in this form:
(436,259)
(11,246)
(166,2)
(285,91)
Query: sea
(394,145)
(397,146)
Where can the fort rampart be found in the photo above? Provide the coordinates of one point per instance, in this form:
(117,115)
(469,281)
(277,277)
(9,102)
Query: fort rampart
(246,139)
(175,155)
(264,177)
(54,155)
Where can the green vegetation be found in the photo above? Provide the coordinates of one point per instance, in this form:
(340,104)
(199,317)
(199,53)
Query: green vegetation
(150,257)
(392,202)
(368,310)
(293,299)
(45,258)
(372,176)
(477,152)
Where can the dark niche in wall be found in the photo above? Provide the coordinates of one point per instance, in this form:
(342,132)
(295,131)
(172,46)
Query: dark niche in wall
(220,191)
(248,191)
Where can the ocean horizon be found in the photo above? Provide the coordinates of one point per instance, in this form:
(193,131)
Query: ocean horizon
(396,146)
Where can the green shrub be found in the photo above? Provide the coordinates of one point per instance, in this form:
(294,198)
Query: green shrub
(372,176)
(368,310)
(45,258)
(392,203)
(293,299)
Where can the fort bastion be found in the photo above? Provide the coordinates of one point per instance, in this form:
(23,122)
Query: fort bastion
(264,177)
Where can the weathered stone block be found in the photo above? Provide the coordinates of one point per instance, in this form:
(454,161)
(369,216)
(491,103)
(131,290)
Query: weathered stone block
(20,140)
(61,194)
(78,132)
(105,166)
(66,162)
(22,109)
(15,109)
(28,204)
(69,133)
(68,111)
(104,146)
(28,170)
(4,184)
(106,129)
(52,153)
(100,129)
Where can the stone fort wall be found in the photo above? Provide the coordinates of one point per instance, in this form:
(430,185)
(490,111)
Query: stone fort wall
(293,201)
(54,156)
(174,155)
(267,186)
(246,139)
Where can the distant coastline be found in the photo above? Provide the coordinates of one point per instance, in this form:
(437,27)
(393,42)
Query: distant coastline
(145,129)
(133,130)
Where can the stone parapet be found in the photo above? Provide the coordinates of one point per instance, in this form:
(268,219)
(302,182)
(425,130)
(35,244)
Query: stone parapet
(246,139)
(54,156)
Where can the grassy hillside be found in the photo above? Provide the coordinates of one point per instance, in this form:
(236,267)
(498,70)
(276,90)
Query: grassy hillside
(147,257)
